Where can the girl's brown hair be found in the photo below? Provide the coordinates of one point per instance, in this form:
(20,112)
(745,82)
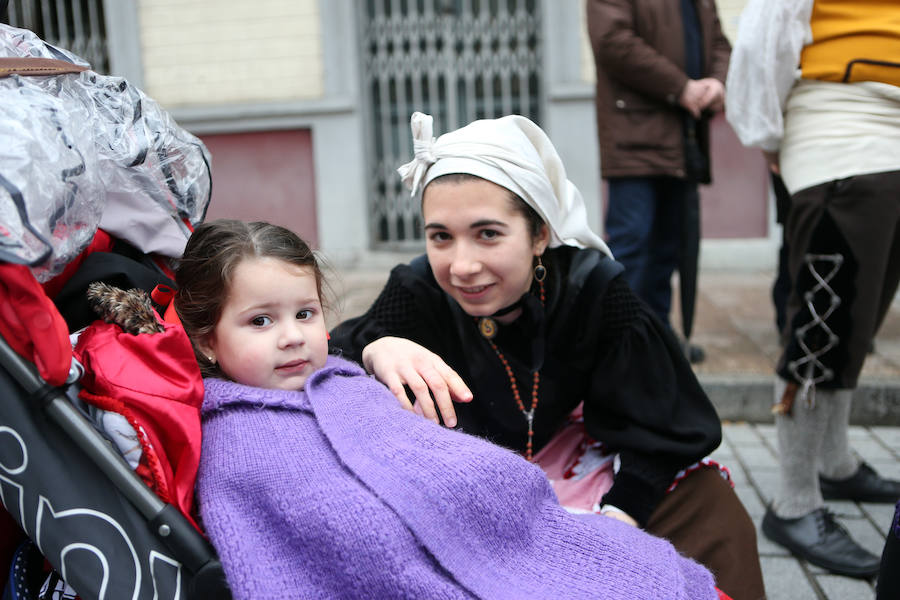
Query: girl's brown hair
(212,254)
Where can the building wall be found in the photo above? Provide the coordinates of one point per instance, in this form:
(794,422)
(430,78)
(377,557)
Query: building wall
(224,67)
(265,176)
(241,75)
(213,52)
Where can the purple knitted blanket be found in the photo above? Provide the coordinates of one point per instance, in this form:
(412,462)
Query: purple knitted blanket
(337,492)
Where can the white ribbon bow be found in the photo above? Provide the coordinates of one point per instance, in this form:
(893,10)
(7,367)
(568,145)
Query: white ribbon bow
(413,172)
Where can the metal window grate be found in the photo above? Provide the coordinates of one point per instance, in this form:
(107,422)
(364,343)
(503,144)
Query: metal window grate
(458,60)
(74,25)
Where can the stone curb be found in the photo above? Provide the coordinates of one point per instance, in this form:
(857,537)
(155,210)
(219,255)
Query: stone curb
(749,398)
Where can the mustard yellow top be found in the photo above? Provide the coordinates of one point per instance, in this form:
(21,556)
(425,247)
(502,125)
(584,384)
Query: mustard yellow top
(853,40)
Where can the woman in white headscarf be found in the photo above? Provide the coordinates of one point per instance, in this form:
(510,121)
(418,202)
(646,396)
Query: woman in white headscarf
(517,317)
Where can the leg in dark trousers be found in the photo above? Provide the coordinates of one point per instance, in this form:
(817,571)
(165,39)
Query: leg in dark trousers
(643,224)
(705,520)
(782,286)
(888,586)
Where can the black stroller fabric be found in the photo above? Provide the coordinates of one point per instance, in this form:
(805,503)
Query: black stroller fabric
(98,542)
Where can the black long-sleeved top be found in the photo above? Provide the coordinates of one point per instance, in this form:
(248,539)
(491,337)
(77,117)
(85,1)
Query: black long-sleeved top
(594,341)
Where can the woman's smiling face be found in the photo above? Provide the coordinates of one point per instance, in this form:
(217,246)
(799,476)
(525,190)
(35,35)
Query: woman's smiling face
(479,244)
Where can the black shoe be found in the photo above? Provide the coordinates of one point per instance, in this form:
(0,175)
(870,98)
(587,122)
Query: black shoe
(819,539)
(863,486)
(694,353)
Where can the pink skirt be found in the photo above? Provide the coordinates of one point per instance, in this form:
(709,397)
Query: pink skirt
(581,469)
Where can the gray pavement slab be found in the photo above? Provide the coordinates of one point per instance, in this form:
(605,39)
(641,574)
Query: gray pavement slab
(750,453)
(786,578)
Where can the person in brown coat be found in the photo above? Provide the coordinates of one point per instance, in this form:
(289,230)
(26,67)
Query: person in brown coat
(661,67)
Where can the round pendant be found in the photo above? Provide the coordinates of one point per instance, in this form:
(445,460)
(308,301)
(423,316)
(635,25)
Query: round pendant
(488,327)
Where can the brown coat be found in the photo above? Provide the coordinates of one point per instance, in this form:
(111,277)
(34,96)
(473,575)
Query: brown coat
(639,52)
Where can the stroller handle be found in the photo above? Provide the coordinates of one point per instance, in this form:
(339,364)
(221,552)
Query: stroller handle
(165,520)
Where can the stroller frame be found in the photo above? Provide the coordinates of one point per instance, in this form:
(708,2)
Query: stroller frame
(204,571)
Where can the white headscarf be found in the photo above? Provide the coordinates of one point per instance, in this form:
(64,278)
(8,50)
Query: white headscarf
(514,153)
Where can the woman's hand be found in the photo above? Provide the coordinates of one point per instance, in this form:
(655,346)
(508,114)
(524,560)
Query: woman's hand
(618,514)
(397,362)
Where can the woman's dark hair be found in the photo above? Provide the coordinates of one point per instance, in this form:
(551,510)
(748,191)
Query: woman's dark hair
(532,218)
(205,271)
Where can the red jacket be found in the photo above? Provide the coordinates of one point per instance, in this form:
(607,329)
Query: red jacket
(154,381)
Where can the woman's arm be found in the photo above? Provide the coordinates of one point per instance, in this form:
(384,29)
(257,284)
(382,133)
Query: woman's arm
(644,402)
(398,362)
(398,340)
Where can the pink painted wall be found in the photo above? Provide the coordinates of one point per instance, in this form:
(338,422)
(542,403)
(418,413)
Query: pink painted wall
(736,204)
(265,176)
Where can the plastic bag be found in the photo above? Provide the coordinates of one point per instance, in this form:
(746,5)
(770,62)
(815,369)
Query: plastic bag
(80,151)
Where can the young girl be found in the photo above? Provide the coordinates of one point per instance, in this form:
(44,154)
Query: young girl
(315,483)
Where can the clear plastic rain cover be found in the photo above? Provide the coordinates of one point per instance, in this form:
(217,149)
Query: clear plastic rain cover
(82,150)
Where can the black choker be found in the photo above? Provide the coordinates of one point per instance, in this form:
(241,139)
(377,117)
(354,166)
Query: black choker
(510,308)
(488,326)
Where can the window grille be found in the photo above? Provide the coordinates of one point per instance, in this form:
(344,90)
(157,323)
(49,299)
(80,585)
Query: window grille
(458,60)
(74,25)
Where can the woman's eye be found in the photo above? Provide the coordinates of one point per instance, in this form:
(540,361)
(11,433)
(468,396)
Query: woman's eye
(489,234)
(439,236)
(260,321)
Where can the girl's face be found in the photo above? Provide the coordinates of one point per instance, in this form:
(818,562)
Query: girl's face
(479,245)
(272,331)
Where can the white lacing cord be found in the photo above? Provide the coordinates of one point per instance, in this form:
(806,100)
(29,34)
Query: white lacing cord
(808,369)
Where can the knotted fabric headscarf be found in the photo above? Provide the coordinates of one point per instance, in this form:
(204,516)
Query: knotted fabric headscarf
(514,153)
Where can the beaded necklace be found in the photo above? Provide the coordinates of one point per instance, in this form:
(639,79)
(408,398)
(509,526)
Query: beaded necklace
(488,328)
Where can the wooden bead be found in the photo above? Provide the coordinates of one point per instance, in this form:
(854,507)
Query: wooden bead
(513,385)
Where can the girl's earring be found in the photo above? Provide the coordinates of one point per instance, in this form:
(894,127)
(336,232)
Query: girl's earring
(540,271)
(211,359)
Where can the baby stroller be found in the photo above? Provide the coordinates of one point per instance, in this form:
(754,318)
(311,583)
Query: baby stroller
(96,183)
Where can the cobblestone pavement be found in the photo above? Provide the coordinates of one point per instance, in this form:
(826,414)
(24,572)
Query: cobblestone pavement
(749,450)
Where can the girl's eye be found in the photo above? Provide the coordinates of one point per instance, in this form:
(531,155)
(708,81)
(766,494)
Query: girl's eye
(439,236)
(489,234)
(260,321)
(304,314)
